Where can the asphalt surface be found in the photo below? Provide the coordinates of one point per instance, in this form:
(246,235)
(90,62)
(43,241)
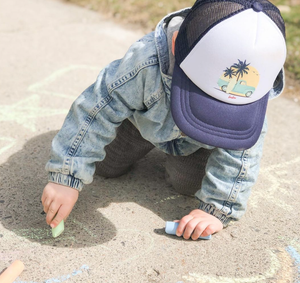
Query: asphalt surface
(49,53)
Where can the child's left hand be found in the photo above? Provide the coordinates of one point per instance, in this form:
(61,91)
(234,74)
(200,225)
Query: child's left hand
(198,223)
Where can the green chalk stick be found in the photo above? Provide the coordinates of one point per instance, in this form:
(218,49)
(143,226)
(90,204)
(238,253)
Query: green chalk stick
(58,229)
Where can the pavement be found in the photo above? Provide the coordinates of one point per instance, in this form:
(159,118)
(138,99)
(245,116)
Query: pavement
(50,51)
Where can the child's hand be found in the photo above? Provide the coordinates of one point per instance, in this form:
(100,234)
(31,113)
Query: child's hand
(198,223)
(58,202)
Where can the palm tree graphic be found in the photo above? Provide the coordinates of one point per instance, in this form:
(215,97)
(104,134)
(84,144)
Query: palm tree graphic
(229,72)
(234,73)
(241,69)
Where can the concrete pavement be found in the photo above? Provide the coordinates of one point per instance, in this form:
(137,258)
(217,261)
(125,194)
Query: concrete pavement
(49,53)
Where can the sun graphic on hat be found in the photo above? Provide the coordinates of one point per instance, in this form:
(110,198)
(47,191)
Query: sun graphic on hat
(239,79)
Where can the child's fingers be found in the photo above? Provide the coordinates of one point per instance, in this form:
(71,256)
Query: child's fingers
(209,230)
(62,214)
(182,224)
(194,229)
(43,198)
(199,230)
(189,228)
(212,228)
(51,212)
(46,204)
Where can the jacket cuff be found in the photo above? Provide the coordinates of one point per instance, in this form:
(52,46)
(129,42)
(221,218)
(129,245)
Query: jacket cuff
(211,209)
(65,180)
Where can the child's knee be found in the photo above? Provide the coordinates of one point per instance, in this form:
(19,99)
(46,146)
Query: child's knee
(183,184)
(103,170)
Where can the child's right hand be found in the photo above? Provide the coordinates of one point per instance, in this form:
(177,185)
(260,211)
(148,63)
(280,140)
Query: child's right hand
(58,201)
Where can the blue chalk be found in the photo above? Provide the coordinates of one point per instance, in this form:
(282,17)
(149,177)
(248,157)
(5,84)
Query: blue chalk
(171,228)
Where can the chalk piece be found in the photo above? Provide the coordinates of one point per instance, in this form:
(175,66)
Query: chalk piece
(171,228)
(10,274)
(58,229)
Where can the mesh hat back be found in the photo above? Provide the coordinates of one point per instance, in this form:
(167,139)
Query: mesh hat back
(205,14)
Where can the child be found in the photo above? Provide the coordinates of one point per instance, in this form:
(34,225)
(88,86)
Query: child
(196,88)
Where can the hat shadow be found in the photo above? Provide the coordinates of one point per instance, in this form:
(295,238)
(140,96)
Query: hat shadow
(23,178)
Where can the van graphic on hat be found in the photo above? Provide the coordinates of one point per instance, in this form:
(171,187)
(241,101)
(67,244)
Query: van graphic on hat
(239,79)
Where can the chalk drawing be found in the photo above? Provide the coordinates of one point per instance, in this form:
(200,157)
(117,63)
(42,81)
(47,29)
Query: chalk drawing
(26,111)
(295,243)
(276,270)
(8,143)
(84,228)
(296,256)
(281,268)
(277,185)
(40,87)
(60,278)
(44,235)
(286,272)
(168,199)
(274,267)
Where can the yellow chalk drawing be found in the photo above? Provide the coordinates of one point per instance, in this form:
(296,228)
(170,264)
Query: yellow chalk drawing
(41,87)
(169,198)
(280,268)
(26,111)
(277,184)
(274,268)
(6,143)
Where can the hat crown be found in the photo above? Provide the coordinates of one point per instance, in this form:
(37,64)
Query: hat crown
(205,14)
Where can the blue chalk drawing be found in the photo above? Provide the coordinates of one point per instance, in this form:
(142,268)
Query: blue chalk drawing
(60,278)
(294,254)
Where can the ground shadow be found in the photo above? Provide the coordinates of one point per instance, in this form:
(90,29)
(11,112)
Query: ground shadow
(23,178)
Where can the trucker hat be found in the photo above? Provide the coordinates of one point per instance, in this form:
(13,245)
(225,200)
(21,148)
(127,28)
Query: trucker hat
(228,54)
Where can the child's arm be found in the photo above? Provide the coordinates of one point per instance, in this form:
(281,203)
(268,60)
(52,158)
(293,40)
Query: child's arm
(225,190)
(198,223)
(58,202)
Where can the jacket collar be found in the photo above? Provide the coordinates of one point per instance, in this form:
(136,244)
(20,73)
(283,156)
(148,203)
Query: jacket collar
(162,47)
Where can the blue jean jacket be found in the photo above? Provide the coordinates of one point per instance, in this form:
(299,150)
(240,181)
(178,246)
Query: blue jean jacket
(137,87)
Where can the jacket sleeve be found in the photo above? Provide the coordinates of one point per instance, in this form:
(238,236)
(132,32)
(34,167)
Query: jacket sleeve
(89,126)
(92,121)
(230,175)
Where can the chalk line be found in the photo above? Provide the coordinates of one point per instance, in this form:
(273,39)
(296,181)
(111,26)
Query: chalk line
(274,268)
(168,199)
(10,143)
(24,111)
(296,256)
(60,278)
(276,185)
(38,87)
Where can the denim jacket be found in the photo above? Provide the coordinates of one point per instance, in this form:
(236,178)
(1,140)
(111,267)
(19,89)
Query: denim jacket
(137,88)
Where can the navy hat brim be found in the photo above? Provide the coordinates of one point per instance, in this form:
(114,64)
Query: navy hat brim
(214,122)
